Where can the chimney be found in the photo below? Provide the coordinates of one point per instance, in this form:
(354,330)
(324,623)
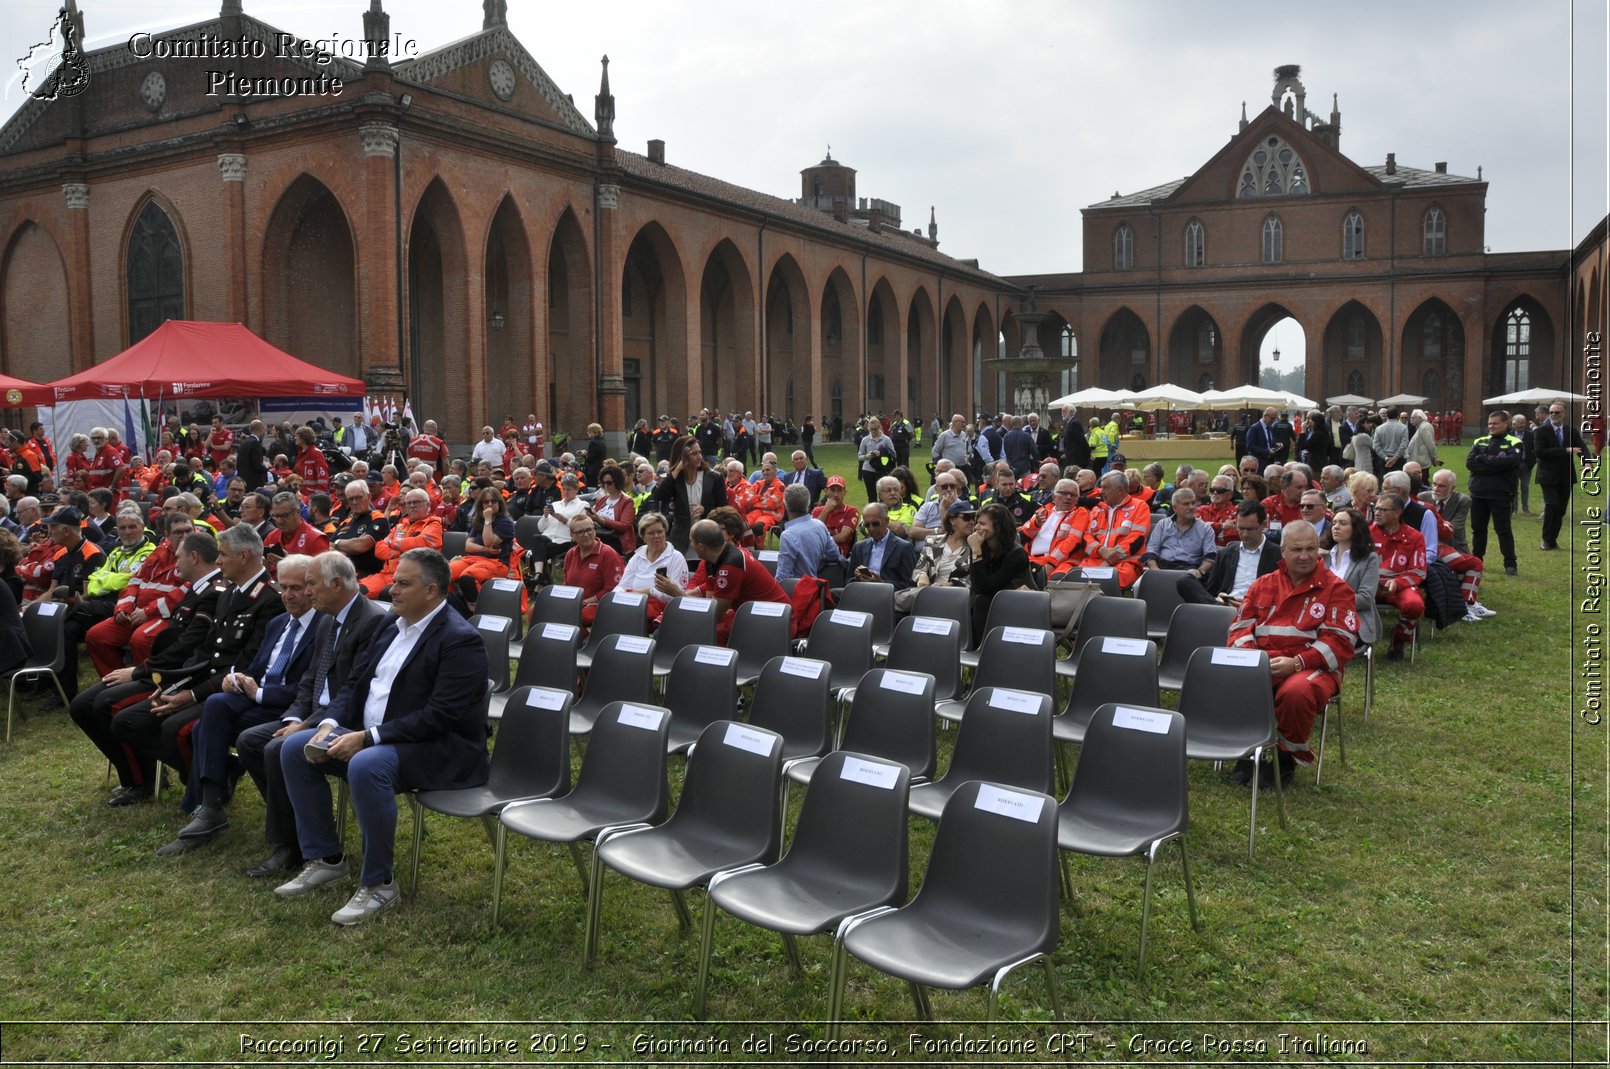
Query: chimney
(1391,163)
(656,151)
(841,209)
(1442,168)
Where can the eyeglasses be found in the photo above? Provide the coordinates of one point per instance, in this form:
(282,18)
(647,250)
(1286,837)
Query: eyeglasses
(1222,489)
(1310,505)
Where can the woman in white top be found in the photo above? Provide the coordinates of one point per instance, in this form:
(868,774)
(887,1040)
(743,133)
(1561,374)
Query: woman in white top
(653,554)
(554,539)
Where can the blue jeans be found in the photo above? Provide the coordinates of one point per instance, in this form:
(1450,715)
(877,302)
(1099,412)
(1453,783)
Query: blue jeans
(371,777)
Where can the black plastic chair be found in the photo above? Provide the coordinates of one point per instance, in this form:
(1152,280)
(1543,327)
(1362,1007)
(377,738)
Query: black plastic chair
(849,855)
(842,638)
(1022,658)
(1110,670)
(619,613)
(761,630)
(531,760)
(892,717)
(1028,609)
(878,600)
(768,559)
(1160,591)
(1005,737)
(728,815)
(453,543)
(622,781)
(685,622)
(502,597)
(552,604)
(931,644)
(45,624)
(495,632)
(950,603)
(1192,628)
(702,687)
(623,672)
(1105,616)
(1128,796)
(1229,708)
(549,661)
(987,906)
(792,698)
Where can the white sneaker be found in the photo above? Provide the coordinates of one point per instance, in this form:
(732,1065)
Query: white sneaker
(314,874)
(366,903)
(1481,610)
(1471,618)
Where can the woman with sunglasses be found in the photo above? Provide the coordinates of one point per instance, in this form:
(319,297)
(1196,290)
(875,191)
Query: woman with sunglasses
(614,512)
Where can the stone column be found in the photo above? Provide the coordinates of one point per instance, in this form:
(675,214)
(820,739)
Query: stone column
(232,170)
(376,251)
(80,301)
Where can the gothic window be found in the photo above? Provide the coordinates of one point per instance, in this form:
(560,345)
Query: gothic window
(1206,337)
(155,272)
(1355,382)
(1431,385)
(1273,170)
(1195,244)
(874,387)
(1355,338)
(1436,233)
(1353,236)
(1070,344)
(1431,338)
(1517,351)
(1273,241)
(1123,248)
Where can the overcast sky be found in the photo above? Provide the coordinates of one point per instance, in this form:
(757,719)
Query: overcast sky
(1012,116)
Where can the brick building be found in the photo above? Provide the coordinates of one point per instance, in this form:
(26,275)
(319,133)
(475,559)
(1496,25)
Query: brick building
(452,225)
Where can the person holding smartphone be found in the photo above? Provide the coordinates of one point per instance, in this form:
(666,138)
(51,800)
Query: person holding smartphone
(653,556)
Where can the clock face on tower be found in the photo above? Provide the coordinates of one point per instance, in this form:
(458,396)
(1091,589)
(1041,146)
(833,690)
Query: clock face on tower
(153,90)
(501,75)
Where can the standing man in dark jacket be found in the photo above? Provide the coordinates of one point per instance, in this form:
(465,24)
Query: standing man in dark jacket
(1074,448)
(251,460)
(1559,449)
(1494,462)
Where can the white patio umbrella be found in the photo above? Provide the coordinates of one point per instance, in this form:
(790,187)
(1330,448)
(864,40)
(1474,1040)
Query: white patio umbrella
(1404,399)
(1300,403)
(1537,395)
(1345,399)
(1090,397)
(1165,396)
(1244,397)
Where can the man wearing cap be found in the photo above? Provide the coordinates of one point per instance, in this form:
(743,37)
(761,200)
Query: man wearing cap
(664,435)
(76,559)
(1054,537)
(292,534)
(840,517)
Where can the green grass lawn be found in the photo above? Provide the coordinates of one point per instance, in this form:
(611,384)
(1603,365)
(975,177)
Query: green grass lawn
(1440,900)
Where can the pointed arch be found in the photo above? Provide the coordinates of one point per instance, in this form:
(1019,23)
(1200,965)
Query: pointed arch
(33,305)
(571,387)
(1353,341)
(438,304)
(654,327)
(922,347)
(156,263)
(1522,348)
(841,348)
(791,388)
(728,371)
(1245,368)
(1125,350)
(310,306)
(955,359)
(985,346)
(882,348)
(1434,341)
(1196,347)
(510,317)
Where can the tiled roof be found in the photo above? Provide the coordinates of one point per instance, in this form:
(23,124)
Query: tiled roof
(1145,196)
(893,241)
(1411,177)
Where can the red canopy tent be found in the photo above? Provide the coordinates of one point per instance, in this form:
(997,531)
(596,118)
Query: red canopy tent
(189,359)
(18,392)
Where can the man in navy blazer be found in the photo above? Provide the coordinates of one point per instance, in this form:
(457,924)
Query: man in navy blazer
(810,478)
(255,695)
(347,621)
(881,557)
(411,717)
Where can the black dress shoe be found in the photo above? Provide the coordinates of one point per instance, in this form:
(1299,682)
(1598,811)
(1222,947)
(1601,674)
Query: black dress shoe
(180,846)
(205,822)
(1547,546)
(283,859)
(128,796)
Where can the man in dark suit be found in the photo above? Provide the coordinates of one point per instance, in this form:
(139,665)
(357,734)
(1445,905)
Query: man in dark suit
(812,479)
(255,695)
(1559,450)
(251,459)
(411,717)
(347,621)
(1238,564)
(1074,448)
(1261,439)
(881,557)
(185,631)
(1043,446)
(153,727)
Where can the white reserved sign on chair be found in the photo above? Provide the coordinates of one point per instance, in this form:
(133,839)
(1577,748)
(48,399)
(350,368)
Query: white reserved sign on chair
(696,605)
(800,666)
(1140,720)
(1129,647)
(904,682)
(932,625)
(1241,658)
(767,608)
(744,739)
(1027,636)
(1014,804)
(1014,701)
(509,585)
(873,773)
(49,608)
(713,655)
(768,554)
(569,593)
(494,623)
(633,643)
(1104,571)
(641,716)
(565,632)
(546,698)
(850,617)
(623,597)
